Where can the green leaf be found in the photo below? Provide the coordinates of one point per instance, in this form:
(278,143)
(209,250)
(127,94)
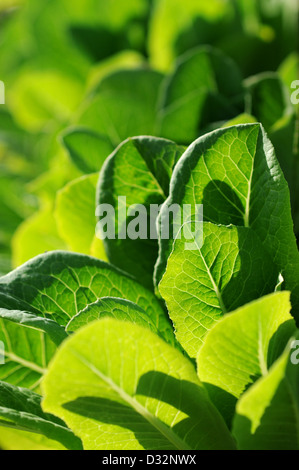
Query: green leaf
(75,213)
(28,347)
(267,99)
(87,149)
(73,45)
(13,135)
(46,185)
(54,331)
(203,283)
(59,285)
(123,105)
(140,170)
(42,96)
(114,307)
(123,60)
(242,347)
(234,173)
(171,19)
(267,415)
(36,235)
(241,119)
(206,86)
(127,389)
(20,409)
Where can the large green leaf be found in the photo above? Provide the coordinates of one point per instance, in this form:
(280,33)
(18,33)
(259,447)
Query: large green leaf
(206,86)
(267,415)
(127,389)
(201,284)
(139,170)
(234,173)
(123,105)
(114,307)
(20,409)
(242,347)
(59,285)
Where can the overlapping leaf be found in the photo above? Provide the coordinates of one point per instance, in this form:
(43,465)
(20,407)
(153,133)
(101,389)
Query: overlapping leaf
(242,347)
(267,415)
(114,307)
(205,87)
(27,348)
(139,170)
(127,389)
(123,105)
(75,213)
(87,149)
(234,173)
(20,409)
(267,99)
(59,285)
(201,284)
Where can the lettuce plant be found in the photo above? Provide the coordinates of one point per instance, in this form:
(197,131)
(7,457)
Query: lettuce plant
(163,348)
(204,91)
(138,342)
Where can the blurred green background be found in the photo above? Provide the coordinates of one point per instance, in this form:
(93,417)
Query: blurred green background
(88,74)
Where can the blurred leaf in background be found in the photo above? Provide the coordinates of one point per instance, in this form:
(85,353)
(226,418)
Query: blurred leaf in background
(258,34)
(81,77)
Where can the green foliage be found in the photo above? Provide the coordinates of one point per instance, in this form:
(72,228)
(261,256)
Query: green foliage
(154,399)
(185,342)
(201,285)
(114,307)
(87,149)
(234,173)
(123,105)
(205,87)
(266,416)
(242,348)
(59,285)
(139,170)
(76,224)
(21,410)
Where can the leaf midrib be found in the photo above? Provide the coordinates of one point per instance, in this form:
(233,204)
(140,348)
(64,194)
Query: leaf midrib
(215,287)
(27,364)
(155,422)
